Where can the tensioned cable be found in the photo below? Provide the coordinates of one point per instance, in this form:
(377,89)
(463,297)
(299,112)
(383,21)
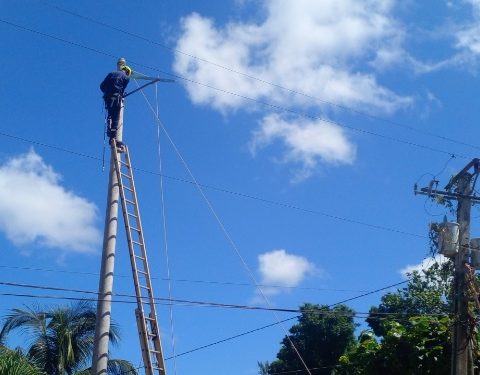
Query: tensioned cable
(219,341)
(183,302)
(165,236)
(36,269)
(229,238)
(242,195)
(274,324)
(273,84)
(266,104)
(225,232)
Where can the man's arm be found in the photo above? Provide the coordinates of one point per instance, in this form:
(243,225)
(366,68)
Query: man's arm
(103,85)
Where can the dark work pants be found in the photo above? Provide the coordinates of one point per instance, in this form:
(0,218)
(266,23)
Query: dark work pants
(113,105)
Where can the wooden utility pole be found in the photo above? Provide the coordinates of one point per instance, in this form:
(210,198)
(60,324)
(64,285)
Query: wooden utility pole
(461,342)
(105,288)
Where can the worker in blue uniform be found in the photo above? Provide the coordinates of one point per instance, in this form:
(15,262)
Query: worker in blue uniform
(113,88)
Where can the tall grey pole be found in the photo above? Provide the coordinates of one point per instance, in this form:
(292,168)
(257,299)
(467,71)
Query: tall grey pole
(105,288)
(461,344)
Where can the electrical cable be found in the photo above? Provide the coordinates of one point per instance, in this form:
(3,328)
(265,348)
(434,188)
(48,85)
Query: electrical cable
(226,233)
(190,303)
(296,92)
(274,324)
(164,227)
(231,192)
(183,280)
(263,103)
(231,337)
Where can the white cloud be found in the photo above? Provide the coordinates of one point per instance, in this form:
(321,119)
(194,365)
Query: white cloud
(307,142)
(467,37)
(423,265)
(35,208)
(314,47)
(327,49)
(278,268)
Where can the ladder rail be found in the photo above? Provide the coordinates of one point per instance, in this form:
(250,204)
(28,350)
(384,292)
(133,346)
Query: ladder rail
(147,322)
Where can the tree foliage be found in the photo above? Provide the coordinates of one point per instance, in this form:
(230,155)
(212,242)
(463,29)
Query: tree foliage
(421,345)
(15,363)
(428,292)
(321,336)
(60,340)
(409,333)
(410,329)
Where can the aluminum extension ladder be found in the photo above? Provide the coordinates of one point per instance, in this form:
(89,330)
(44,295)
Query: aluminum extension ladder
(148,329)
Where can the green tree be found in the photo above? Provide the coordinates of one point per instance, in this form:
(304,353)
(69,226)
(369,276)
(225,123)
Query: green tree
(427,292)
(411,329)
(321,336)
(421,345)
(14,363)
(60,340)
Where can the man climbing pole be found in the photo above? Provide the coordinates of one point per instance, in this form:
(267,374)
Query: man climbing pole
(113,88)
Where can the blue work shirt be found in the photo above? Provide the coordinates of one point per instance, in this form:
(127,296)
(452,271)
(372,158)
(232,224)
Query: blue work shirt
(114,83)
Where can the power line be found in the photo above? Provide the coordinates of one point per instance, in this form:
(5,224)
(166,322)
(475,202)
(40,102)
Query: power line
(229,283)
(227,191)
(226,233)
(263,103)
(355,315)
(184,302)
(296,92)
(273,324)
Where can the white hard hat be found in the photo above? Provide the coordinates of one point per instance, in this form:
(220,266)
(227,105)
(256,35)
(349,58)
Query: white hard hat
(121,62)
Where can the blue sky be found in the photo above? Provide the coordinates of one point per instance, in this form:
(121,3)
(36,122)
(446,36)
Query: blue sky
(307,124)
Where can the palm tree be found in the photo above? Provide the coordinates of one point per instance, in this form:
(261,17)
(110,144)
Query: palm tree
(60,340)
(15,363)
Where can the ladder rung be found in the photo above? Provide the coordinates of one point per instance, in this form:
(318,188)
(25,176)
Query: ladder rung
(142,272)
(139,257)
(152,334)
(123,162)
(129,201)
(148,318)
(125,175)
(132,215)
(144,287)
(137,243)
(155,351)
(127,188)
(135,229)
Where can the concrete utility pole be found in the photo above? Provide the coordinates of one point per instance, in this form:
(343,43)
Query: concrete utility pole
(462,363)
(105,288)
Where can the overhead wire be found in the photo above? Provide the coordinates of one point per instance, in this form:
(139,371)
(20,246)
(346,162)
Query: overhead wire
(225,232)
(229,283)
(273,84)
(380,316)
(164,227)
(227,191)
(189,303)
(263,103)
(324,120)
(246,98)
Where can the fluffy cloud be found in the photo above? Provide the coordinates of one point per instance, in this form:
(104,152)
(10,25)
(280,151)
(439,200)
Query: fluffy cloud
(313,47)
(306,142)
(322,51)
(36,209)
(468,36)
(279,268)
(423,265)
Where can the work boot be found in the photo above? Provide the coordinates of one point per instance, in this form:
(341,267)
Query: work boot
(120,147)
